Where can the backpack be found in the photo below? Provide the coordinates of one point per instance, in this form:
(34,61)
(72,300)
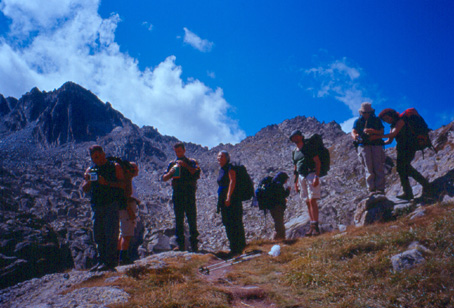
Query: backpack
(129,170)
(263,194)
(418,128)
(244,187)
(126,165)
(315,142)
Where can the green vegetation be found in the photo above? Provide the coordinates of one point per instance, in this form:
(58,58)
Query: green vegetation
(352,269)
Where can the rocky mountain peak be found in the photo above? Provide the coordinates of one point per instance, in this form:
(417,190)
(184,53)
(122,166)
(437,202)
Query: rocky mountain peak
(68,114)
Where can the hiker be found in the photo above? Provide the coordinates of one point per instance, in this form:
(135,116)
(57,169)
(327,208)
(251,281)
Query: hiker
(279,200)
(184,173)
(105,183)
(307,172)
(371,153)
(406,149)
(128,216)
(230,205)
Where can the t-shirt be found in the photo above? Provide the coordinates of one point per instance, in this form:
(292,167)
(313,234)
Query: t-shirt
(304,160)
(372,122)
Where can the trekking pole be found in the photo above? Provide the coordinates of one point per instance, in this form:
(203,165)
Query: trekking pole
(214,267)
(206,269)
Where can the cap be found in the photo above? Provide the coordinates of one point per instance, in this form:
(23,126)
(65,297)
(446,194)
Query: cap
(296,133)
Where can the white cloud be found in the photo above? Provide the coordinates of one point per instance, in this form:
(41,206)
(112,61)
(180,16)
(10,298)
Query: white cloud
(72,42)
(339,81)
(196,42)
(342,82)
(347,125)
(147,25)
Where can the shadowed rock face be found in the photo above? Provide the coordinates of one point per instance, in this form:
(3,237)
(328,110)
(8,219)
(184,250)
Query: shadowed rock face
(69,114)
(44,138)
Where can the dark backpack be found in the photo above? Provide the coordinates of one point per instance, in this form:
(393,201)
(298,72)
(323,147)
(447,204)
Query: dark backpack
(263,194)
(244,187)
(418,128)
(315,143)
(124,164)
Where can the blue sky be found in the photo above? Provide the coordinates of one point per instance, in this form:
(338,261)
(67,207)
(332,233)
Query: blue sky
(217,71)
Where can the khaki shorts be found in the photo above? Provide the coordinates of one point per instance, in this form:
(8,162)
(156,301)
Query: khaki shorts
(128,225)
(307,189)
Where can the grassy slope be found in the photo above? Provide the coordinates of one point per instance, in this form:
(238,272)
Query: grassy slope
(352,269)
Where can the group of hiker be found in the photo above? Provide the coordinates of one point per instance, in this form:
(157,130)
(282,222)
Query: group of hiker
(114,205)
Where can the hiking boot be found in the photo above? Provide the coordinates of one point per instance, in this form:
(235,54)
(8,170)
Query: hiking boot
(309,232)
(405,197)
(315,229)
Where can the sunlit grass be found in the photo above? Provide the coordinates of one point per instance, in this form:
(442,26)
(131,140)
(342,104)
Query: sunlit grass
(333,270)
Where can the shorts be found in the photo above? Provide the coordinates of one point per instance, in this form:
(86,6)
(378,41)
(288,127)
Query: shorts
(128,225)
(307,189)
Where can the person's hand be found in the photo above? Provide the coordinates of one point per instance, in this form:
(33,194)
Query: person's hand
(316,181)
(227,202)
(368,131)
(182,164)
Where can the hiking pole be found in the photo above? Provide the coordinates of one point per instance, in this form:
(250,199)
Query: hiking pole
(202,268)
(206,271)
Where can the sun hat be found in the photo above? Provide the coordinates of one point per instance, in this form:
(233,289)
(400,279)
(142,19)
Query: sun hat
(366,108)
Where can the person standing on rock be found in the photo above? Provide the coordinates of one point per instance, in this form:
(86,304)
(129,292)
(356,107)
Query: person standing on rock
(104,181)
(184,173)
(307,172)
(406,148)
(229,205)
(371,153)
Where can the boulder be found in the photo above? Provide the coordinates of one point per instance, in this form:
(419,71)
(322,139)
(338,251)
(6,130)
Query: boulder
(372,209)
(407,260)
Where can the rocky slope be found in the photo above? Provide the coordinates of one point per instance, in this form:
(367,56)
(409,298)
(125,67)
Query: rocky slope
(44,138)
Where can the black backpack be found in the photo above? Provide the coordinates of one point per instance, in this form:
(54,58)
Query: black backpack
(263,194)
(124,164)
(244,187)
(315,143)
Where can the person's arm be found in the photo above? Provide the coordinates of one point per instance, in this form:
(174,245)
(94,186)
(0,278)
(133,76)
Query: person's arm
(232,183)
(295,180)
(192,169)
(318,166)
(168,175)
(120,183)
(131,213)
(86,185)
(372,131)
(392,134)
(355,134)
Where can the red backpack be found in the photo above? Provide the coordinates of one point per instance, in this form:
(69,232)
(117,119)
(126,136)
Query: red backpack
(418,127)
